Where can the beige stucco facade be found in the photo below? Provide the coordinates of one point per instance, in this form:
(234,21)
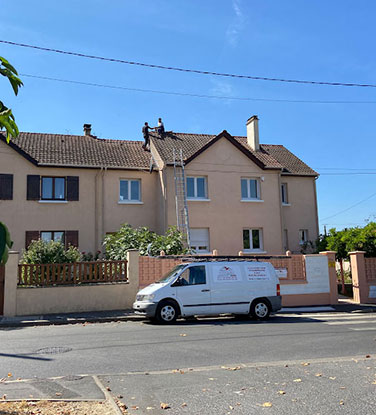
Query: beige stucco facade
(223,214)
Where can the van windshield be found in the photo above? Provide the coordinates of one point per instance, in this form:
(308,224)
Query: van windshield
(171,274)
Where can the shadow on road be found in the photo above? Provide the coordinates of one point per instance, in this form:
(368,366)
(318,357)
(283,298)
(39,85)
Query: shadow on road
(238,320)
(24,356)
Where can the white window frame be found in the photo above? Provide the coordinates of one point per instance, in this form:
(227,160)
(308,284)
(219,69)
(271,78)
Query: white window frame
(195,197)
(261,237)
(197,247)
(303,236)
(129,200)
(285,192)
(258,189)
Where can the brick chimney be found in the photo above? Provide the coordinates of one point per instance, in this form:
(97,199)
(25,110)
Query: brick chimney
(87,129)
(253,133)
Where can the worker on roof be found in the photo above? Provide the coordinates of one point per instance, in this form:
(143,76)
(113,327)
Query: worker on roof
(145,132)
(160,127)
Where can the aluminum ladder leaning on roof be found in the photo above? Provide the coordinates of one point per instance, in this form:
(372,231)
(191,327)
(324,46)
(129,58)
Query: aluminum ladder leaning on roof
(182,218)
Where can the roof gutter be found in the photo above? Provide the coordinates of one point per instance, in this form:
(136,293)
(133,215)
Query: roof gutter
(87,166)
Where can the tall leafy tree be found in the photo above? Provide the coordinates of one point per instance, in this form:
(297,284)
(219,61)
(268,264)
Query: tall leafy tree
(7,119)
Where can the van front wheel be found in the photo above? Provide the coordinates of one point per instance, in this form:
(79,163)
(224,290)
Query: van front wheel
(167,312)
(260,310)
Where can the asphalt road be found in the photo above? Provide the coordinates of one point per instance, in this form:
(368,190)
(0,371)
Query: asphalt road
(335,345)
(135,346)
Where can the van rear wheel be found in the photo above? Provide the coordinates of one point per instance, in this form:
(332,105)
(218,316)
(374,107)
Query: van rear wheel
(260,310)
(167,312)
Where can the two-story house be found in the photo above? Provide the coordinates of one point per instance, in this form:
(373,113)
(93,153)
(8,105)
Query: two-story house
(242,195)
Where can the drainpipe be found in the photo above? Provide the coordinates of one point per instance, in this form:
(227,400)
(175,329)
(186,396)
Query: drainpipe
(96,209)
(103,207)
(282,219)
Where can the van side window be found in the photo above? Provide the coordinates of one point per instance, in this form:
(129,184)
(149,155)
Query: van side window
(194,275)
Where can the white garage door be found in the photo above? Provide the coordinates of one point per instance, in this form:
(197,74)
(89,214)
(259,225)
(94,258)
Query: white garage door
(200,240)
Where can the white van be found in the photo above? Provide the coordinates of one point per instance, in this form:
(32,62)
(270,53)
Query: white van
(212,288)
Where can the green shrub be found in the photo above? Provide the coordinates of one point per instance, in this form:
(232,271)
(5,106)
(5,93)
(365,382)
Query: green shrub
(118,244)
(42,252)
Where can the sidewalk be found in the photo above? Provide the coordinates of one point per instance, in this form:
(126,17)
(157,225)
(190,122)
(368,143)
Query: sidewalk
(344,306)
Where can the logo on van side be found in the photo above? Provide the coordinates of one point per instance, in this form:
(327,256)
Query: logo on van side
(226,274)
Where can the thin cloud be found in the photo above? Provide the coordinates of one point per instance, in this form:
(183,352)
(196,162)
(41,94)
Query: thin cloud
(237,25)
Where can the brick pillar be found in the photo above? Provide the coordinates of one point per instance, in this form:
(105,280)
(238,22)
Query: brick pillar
(10,285)
(358,275)
(331,255)
(133,274)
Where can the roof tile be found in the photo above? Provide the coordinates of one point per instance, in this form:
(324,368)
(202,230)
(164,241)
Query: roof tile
(89,151)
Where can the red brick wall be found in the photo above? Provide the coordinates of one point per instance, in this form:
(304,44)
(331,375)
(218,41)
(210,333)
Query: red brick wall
(152,269)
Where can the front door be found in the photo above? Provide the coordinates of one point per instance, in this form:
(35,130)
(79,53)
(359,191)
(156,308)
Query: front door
(193,291)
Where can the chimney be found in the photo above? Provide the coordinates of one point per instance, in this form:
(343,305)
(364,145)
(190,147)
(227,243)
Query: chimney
(253,133)
(87,129)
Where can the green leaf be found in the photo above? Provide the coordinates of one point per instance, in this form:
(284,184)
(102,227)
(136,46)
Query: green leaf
(5,243)
(7,65)
(7,122)
(9,72)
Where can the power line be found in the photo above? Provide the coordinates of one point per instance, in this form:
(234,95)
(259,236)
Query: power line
(344,168)
(347,174)
(345,210)
(196,71)
(155,91)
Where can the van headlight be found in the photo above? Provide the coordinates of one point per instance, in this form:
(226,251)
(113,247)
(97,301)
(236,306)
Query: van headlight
(148,297)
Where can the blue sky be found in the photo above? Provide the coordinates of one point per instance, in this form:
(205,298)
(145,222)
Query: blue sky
(295,39)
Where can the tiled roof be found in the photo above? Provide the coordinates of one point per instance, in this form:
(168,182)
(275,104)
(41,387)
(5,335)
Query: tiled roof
(270,156)
(291,164)
(80,151)
(89,151)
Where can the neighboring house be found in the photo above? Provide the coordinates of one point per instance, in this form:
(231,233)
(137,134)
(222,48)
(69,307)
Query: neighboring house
(242,196)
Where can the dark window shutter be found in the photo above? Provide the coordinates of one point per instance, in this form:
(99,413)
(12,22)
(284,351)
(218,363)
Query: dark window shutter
(6,186)
(33,187)
(72,188)
(71,238)
(31,236)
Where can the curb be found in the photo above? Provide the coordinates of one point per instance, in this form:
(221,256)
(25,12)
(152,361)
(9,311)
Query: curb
(61,322)
(9,322)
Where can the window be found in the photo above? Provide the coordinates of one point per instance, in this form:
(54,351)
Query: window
(193,276)
(66,237)
(56,236)
(53,188)
(284,195)
(6,186)
(200,240)
(252,240)
(303,236)
(250,189)
(196,188)
(130,191)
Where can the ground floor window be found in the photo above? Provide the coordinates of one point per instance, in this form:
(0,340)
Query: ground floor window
(252,240)
(200,240)
(303,236)
(67,238)
(57,236)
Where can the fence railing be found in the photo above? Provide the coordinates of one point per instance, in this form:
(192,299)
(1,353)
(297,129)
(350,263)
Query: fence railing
(76,273)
